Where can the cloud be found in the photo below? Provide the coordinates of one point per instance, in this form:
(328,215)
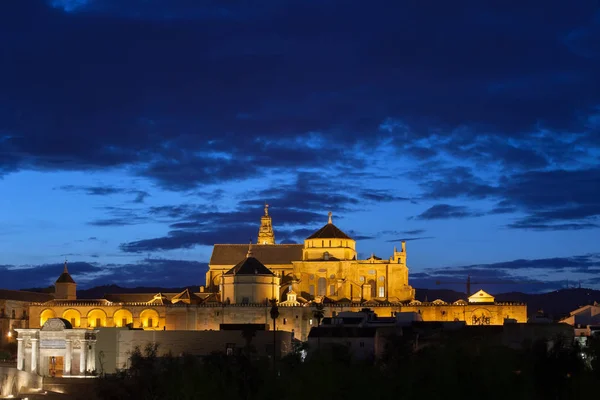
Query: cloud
(140,195)
(524,275)
(157,272)
(408,239)
(31,276)
(302,97)
(446,211)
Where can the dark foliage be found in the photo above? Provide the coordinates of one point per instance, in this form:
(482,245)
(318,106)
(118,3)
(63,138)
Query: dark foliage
(458,368)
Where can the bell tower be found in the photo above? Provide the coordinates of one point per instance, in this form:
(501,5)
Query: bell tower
(265,233)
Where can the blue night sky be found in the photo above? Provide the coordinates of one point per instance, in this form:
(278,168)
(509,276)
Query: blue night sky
(135,134)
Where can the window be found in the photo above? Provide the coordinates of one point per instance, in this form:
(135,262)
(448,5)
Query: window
(73,322)
(124,322)
(14,314)
(381,291)
(332,290)
(285,321)
(311,290)
(330,243)
(98,322)
(322,243)
(150,323)
(322,286)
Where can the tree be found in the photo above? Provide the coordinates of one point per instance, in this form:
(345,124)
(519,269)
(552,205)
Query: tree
(319,312)
(274,315)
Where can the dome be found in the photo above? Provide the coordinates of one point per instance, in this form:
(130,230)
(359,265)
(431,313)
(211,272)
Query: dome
(329,231)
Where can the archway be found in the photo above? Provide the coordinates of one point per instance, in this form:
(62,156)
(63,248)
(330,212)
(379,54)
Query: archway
(46,315)
(96,318)
(122,317)
(73,316)
(149,319)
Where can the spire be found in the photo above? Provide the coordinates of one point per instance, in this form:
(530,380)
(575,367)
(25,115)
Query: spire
(249,250)
(65,270)
(330,214)
(265,232)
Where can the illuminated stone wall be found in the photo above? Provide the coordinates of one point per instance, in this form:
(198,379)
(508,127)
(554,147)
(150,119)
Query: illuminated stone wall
(86,315)
(298,319)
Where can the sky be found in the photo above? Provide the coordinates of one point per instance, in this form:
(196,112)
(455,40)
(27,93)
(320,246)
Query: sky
(135,134)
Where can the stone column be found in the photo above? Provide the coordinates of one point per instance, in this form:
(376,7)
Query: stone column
(20,354)
(91,355)
(68,356)
(34,354)
(82,358)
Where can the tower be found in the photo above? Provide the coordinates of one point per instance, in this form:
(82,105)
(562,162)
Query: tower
(265,232)
(65,287)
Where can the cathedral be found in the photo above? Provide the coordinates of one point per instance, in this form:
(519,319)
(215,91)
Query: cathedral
(243,278)
(324,268)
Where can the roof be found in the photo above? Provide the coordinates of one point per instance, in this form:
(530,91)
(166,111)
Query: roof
(186,297)
(329,231)
(19,295)
(249,266)
(65,277)
(231,254)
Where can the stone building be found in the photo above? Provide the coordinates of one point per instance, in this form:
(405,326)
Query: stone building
(14,312)
(57,349)
(242,278)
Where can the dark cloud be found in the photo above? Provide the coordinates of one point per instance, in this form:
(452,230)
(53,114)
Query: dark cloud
(414,232)
(408,239)
(512,275)
(509,276)
(263,92)
(140,195)
(31,276)
(447,211)
(147,272)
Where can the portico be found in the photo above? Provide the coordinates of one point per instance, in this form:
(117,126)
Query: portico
(56,349)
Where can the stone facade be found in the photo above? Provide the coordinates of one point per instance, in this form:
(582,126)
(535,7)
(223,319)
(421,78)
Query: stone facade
(241,278)
(56,349)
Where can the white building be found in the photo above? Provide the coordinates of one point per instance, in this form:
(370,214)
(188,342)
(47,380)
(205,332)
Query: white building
(56,349)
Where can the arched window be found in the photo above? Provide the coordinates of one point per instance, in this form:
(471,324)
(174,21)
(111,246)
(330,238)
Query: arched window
(122,318)
(46,315)
(73,316)
(373,287)
(322,287)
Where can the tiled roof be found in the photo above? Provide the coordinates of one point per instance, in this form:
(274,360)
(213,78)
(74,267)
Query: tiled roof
(186,297)
(329,231)
(19,295)
(268,254)
(249,266)
(65,277)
